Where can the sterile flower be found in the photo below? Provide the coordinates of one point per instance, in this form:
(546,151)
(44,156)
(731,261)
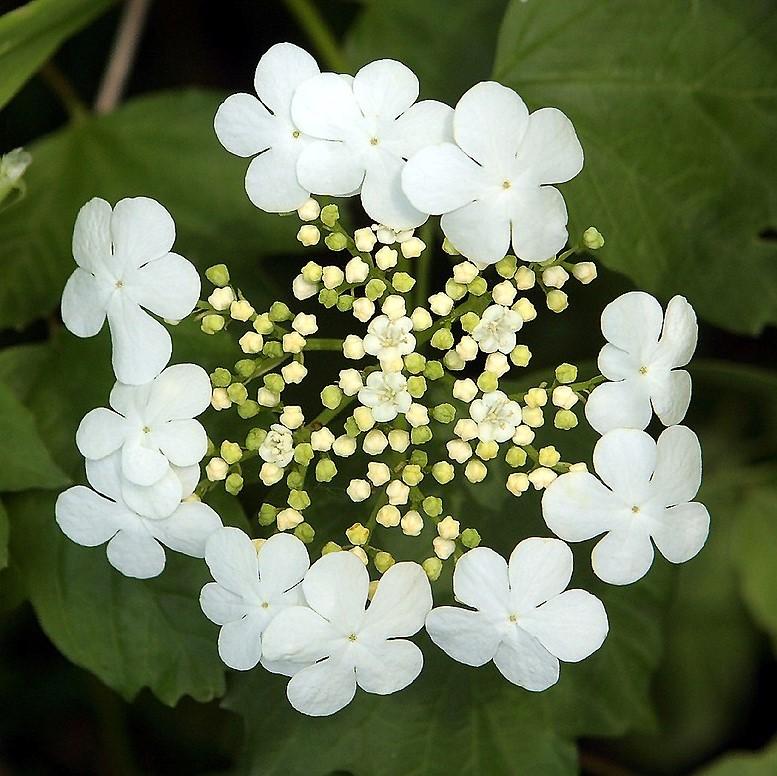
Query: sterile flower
(497,416)
(643,350)
(278,446)
(125,267)
(524,620)
(367,128)
(250,589)
(347,645)
(643,495)
(389,340)
(496,329)
(247,126)
(386,394)
(135,542)
(490,185)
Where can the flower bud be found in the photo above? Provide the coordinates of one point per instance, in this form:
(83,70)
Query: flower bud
(520,355)
(331,397)
(458,450)
(525,309)
(383,561)
(517,483)
(465,272)
(218,274)
(251,342)
(412,475)
(532,416)
(467,348)
(361,555)
(421,435)
(237,393)
(465,390)
(416,386)
(555,276)
(295,480)
(470,538)
(322,440)
(453,361)
(432,567)
(403,282)
(421,319)
(220,399)
(365,241)
(254,438)
(212,323)
(536,397)
(375,442)
(417,415)
(504,293)
(557,301)
(475,471)
(455,290)
(397,493)
(298,499)
(515,457)
(216,469)
(584,272)
(312,272)
(267,513)
(353,347)
(288,518)
(564,397)
(412,248)
(309,210)
(565,420)
(325,470)
(263,324)
(541,477)
(592,238)
(293,373)
(305,324)
(302,289)
(432,506)
(344,446)
(378,473)
(330,547)
(221,298)
(270,473)
(388,516)
(220,378)
(375,289)
(332,277)
(524,278)
(487,451)
(478,287)
(549,456)
(303,453)
(305,532)
(415,363)
(448,528)
(469,321)
(488,382)
(399,440)
(506,267)
(393,306)
(279,311)
(345,303)
(496,364)
(386,258)
(412,523)
(336,241)
(231,452)
(566,373)
(523,436)
(330,215)
(466,429)
(363,309)
(358,490)
(433,370)
(444,413)
(440,304)
(328,298)
(292,416)
(443,472)
(443,548)
(241,310)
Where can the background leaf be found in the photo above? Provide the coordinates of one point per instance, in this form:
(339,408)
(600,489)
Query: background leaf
(4,531)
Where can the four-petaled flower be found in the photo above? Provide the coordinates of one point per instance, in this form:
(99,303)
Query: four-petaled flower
(496,329)
(643,495)
(345,645)
(525,619)
(250,589)
(125,264)
(491,183)
(278,446)
(386,394)
(497,416)
(643,350)
(389,340)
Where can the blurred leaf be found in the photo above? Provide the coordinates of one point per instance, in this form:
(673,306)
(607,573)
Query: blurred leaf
(4,530)
(448,45)
(678,126)
(763,763)
(31,34)
(162,146)
(20,367)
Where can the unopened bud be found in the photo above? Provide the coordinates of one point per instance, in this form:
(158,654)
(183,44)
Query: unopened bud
(592,238)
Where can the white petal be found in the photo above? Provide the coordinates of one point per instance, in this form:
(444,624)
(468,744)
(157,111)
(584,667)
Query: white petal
(189,477)
(330,167)
(104,475)
(679,335)
(522,660)
(617,364)
(677,476)
(100,433)
(299,634)
(489,124)
(325,107)
(382,196)
(625,404)
(671,397)
(442,178)
(323,688)
(183,442)
(336,587)
(244,126)
(623,556)
(129,399)
(539,224)
(136,554)
(469,637)
(282,68)
(181,391)
(84,303)
(576,507)
(550,148)
(231,558)
(92,234)
(388,667)
(680,532)
(142,465)
(188,529)
(155,501)
(142,230)
(570,626)
(283,561)
(633,322)
(271,180)
(480,580)
(87,518)
(426,123)
(539,569)
(625,460)
(480,230)
(168,287)
(385,88)
(221,605)
(141,345)
(401,602)
(240,641)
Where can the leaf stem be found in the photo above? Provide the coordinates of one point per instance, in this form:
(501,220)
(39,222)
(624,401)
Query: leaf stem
(60,85)
(314,24)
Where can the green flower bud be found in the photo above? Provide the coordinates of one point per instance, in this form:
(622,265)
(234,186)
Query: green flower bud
(305,532)
(212,323)
(402,282)
(478,286)
(312,272)
(263,324)
(419,458)
(592,238)
(272,350)
(325,470)
(330,215)
(336,241)
(515,457)
(331,397)
(237,393)
(455,290)
(412,475)
(384,561)
(444,413)
(432,567)
(211,449)
(470,538)
(443,472)
(295,480)
(254,438)
(416,386)
(327,297)
(520,355)
(448,248)
(245,367)
(506,267)
(344,303)
(248,409)
(565,420)
(231,452)
(421,435)
(220,378)
(433,370)
(442,339)
(274,383)
(233,484)
(557,301)
(415,363)
(432,506)
(330,547)
(303,453)
(488,382)
(279,311)
(218,274)
(351,427)
(374,289)
(469,321)
(566,373)
(267,513)
(299,500)
(358,534)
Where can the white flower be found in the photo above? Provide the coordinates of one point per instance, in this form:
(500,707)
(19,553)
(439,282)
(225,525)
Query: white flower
(278,446)
(247,126)
(367,128)
(642,352)
(490,185)
(250,589)
(524,620)
(389,340)
(346,644)
(643,495)
(386,394)
(125,264)
(497,416)
(496,329)
(135,542)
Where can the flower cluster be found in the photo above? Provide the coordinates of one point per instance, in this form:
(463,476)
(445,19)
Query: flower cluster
(426,397)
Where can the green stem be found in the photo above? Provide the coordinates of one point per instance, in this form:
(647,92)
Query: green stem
(324,344)
(312,21)
(64,90)
(473,304)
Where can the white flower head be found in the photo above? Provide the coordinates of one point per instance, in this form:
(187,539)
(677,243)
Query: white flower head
(524,619)
(497,416)
(388,339)
(643,352)
(125,267)
(491,185)
(345,645)
(278,446)
(135,542)
(642,498)
(386,394)
(263,128)
(367,127)
(250,589)
(496,329)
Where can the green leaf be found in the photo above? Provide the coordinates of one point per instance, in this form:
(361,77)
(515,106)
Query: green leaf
(161,146)
(763,763)
(31,34)
(678,128)
(4,531)
(25,461)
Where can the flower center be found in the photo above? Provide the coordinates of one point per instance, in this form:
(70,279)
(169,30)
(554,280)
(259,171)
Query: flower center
(643,370)
(506,184)
(374,141)
(352,637)
(513,618)
(146,430)
(265,604)
(119,284)
(635,509)
(295,134)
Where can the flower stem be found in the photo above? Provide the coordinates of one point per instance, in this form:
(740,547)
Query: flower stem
(324,344)
(313,23)
(473,304)
(66,93)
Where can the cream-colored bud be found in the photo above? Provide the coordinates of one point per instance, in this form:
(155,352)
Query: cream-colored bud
(378,473)
(292,416)
(475,470)
(216,469)
(518,483)
(309,235)
(524,278)
(288,519)
(365,241)
(358,490)
(302,289)
(350,381)
(363,309)
(497,364)
(221,298)
(251,342)
(375,442)
(399,440)
(241,310)
(523,436)
(270,473)
(293,342)
(443,548)
(532,416)
(459,450)
(393,306)
(412,248)
(525,309)
(584,272)
(397,493)
(267,398)
(542,477)
(465,272)
(465,390)
(357,270)
(440,304)
(421,319)
(417,415)
(305,324)
(557,301)
(579,467)
(363,418)
(220,399)
(344,446)
(467,348)
(294,373)
(504,293)
(322,440)
(487,450)
(454,361)
(309,210)
(386,258)
(353,347)
(564,397)
(332,276)
(466,429)
(448,528)
(536,397)
(412,523)
(555,277)
(388,516)
(360,554)
(549,456)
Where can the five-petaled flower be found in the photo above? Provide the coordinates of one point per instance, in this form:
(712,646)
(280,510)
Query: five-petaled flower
(389,340)
(278,446)
(496,329)
(386,394)
(497,416)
